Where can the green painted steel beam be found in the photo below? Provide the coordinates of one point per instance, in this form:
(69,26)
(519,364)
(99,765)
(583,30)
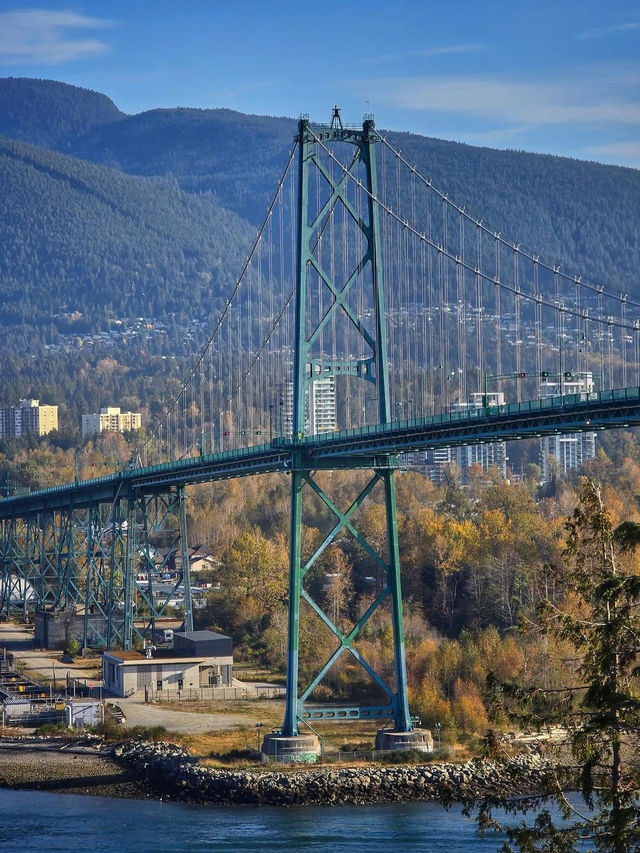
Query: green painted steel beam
(367,447)
(303,460)
(337,712)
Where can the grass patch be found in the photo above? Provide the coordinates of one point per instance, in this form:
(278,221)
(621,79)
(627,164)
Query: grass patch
(146,733)
(249,672)
(55,730)
(235,707)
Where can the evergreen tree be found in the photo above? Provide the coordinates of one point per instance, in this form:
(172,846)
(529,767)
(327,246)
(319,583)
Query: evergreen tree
(601,711)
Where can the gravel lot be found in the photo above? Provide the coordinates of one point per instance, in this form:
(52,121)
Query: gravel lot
(140,714)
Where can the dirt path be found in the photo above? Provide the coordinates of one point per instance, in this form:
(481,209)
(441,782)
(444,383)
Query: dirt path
(138,713)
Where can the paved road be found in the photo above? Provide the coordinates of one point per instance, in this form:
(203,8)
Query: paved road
(19,640)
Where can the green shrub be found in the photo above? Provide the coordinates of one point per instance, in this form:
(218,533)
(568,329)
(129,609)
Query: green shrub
(147,732)
(48,729)
(234,755)
(73,646)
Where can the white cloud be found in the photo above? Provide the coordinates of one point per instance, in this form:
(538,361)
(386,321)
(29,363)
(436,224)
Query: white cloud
(45,37)
(427,52)
(628,151)
(598,32)
(513,102)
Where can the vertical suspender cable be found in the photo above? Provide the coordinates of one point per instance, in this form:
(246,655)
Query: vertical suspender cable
(516,307)
(623,334)
(498,311)
(479,311)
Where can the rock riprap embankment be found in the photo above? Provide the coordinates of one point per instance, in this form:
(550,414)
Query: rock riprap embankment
(173,771)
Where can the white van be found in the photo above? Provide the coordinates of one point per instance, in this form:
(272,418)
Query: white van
(167,635)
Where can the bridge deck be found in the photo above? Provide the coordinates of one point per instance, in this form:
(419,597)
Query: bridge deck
(368,447)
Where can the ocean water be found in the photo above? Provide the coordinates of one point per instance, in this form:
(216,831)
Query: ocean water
(33,821)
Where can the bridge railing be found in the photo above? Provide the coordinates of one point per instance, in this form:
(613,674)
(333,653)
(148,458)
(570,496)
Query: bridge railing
(473,414)
(282,443)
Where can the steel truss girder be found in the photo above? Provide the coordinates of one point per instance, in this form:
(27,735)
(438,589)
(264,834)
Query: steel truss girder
(508,423)
(366,447)
(149,515)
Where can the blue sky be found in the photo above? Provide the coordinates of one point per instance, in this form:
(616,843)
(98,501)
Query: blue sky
(557,77)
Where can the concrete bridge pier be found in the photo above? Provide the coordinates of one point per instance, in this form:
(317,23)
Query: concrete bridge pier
(292,748)
(389,739)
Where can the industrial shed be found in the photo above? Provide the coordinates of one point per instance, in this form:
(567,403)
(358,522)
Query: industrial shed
(198,659)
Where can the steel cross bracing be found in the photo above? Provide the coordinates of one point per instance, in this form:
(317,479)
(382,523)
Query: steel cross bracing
(86,552)
(311,364)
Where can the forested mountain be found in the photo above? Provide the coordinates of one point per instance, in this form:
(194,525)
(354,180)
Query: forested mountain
(86,242)
(48,113)
(115,217)
(583,215)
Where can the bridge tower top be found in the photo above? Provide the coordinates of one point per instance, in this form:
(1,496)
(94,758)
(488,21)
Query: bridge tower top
(332,187)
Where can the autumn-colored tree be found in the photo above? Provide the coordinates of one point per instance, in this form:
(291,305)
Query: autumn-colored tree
(601,708)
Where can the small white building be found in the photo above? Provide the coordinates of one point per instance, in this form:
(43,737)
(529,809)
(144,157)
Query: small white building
(198,659)
(79,713)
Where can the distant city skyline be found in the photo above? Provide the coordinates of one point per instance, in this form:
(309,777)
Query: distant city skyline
(551,77)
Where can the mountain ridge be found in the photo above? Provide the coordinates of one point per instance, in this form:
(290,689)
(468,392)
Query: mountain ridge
(583,215)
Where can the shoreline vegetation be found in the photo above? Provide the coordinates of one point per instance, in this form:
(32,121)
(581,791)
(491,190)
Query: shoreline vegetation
(164,771)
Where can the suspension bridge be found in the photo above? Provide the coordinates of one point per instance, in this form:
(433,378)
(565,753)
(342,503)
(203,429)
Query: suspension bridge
(374,318)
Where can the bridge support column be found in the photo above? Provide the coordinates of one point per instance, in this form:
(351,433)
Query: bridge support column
(159,517)
(290,726)
(324,192)
(297,748)
(186,570)
(129,576)
(402,716)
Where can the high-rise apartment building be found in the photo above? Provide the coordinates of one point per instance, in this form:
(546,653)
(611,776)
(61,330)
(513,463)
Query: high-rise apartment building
(28,417)
(110,419)
(320,407)
(492,454)
(566,452)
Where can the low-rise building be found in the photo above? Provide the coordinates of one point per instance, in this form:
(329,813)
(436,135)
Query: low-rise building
(110,419)
(198,659)
(79,713)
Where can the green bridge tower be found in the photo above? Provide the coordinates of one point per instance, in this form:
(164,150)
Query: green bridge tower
(325,186)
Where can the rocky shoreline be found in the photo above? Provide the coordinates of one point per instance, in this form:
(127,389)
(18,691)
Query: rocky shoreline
(174,772)
(84,767)
(142,770)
